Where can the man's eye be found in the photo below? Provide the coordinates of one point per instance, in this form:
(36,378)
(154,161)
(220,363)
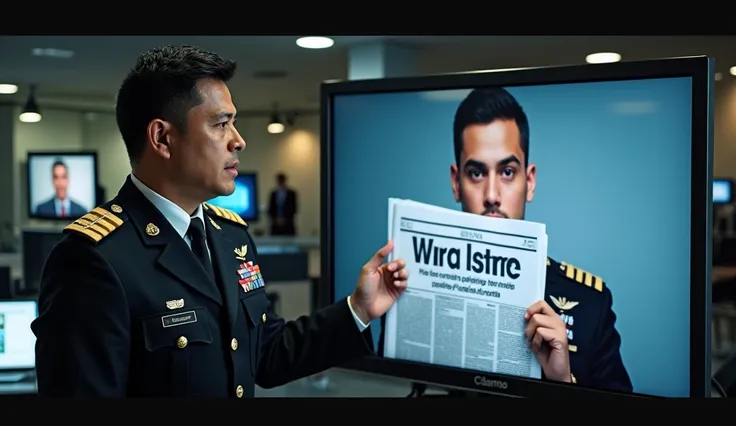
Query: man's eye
(508,172)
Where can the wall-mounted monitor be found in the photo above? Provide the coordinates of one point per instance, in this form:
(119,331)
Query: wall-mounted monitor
(61,185)
(244,200)
(722,191)
(615,160)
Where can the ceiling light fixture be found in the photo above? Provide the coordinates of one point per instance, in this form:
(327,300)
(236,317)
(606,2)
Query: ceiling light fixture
(602,58)
(8,89)
(53,53)
(732,70)
(315,42)
(31,113)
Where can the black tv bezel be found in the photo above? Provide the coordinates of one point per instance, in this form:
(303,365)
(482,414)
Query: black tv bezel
(699,68)
(31,154)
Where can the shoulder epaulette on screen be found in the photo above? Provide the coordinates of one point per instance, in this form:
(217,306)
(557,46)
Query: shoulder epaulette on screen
(583,277)
(225,214)
(95,225)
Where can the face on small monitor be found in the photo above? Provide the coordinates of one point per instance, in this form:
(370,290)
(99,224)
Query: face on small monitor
(61,185)
(61,179)
(575,157)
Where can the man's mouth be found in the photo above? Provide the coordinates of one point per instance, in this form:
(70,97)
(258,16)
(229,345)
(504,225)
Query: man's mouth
(498,215)
(233,165)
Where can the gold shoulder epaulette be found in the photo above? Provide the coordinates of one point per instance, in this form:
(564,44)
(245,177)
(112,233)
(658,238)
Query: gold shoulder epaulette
(583,277)
(225,214)
(96,225)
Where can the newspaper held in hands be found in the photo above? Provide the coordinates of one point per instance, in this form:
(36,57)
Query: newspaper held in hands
(471,279)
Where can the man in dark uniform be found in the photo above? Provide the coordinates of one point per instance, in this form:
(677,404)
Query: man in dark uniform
(492,176)
(156,293)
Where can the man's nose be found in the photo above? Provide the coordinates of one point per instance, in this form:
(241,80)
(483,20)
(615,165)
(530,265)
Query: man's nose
(238,143)
(492,195)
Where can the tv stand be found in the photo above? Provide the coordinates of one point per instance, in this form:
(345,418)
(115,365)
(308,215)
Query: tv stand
(419,390)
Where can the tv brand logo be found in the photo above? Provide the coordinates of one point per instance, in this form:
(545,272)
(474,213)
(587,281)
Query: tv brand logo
(488,383)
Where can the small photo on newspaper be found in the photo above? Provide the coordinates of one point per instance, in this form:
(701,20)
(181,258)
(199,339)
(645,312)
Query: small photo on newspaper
(471,280)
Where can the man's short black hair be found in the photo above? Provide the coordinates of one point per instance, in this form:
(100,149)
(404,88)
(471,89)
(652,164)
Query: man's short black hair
(58,162)
(281,178)
(163,85)
(484,106)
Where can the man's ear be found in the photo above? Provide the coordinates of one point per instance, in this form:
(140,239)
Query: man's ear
(455,181)
(159,134)
(531,182)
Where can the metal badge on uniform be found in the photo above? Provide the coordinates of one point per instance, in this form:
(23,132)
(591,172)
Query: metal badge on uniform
(181,318)
(565,305)
(241,252)
(175,304)
(250,276)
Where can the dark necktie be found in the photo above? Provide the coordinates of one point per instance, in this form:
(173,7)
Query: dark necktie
(199,245)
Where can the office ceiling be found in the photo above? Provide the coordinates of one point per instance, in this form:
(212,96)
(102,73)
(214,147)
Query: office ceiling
(89,79)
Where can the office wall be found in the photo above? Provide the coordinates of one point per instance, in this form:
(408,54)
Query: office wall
(724,162)
(296,153)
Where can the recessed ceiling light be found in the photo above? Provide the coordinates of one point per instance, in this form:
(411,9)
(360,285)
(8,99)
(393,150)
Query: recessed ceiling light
(8,89)
(52,53)
(315,42)
(602,57)
(732,70)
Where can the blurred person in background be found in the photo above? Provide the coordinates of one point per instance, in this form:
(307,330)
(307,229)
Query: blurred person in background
(60,205)
(282,208)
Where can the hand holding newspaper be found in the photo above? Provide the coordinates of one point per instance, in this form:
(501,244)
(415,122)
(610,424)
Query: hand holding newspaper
(471,279)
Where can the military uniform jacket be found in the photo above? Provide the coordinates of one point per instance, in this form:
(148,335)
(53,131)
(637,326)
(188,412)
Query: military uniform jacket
(585,304)
(126,309)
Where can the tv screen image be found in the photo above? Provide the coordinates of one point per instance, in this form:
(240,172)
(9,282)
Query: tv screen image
(17,341)
(722,191)
(609,166)
(244,200)
(61,185)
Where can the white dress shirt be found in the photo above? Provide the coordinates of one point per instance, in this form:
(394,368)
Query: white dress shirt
(180,220)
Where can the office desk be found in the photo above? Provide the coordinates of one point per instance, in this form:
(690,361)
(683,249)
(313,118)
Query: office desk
(18,389)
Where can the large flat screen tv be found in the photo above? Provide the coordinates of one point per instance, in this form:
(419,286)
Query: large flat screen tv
(615,160)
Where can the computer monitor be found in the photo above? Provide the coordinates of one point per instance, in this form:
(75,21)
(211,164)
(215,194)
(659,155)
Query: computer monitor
(35,246)
(61,185)
(722,191)
(244,201)
(17,341)
(615,160)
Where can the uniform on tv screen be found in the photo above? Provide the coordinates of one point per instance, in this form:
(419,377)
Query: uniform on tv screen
(613,159)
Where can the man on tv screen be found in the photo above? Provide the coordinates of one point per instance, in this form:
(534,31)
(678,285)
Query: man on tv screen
(492,176)
(60,205)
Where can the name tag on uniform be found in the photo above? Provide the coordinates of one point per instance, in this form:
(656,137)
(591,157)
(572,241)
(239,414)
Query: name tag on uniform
(179,319)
